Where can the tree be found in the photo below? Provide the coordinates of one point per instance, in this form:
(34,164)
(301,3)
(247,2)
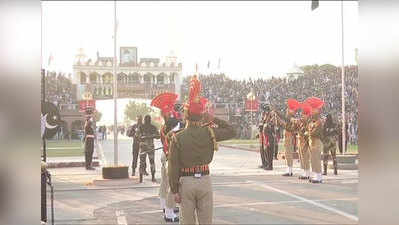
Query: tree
(97,116)
(133,109)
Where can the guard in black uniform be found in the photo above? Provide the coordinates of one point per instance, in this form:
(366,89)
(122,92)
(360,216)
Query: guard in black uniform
(132,132)
(147,133)
(89,143)
(269,131)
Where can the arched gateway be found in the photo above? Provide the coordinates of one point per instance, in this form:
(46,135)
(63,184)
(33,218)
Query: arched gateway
(142,79)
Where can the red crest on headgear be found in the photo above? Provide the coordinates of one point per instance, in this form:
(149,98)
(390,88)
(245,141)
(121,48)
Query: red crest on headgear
(293,104)
(195,104)
(306,108)
(165,102)
(315,103)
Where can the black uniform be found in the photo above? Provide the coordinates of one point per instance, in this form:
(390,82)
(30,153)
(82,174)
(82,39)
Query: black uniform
(329,140)
(89,144)
(132,132)
(146,133)
(270,142)
(262,146)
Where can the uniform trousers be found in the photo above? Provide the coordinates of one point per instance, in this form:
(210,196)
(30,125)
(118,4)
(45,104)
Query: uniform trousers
(269,152)
(135,152)
(164,189)
(304,154)
(147,150)
(89,149)
(315,154)
(196,199)
(262,155)
(330,147)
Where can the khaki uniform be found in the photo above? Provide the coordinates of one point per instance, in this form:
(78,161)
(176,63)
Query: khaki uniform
(194,148)
(289,140)
(303,143)
(164,189)
(315,130)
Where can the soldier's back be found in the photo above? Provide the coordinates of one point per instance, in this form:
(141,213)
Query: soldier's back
(196,146)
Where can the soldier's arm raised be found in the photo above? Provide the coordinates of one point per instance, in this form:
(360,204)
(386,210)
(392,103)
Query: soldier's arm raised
(224,131)
(174,165)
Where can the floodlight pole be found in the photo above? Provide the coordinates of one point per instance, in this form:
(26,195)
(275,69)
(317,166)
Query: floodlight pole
(115,94)
(343,80)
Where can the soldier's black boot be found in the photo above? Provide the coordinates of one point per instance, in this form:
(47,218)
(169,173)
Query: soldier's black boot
(141,178)
(153,177)
(133,172)
(324,169)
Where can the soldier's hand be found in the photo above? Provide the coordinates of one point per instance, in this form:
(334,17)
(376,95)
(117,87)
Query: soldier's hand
(207,117)
(177,198)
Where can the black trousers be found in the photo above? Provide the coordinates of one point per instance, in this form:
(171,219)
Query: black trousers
(89,149)
(269,155)
(44,197)
(262,155)
(135,151)
(275,150)
(151,157)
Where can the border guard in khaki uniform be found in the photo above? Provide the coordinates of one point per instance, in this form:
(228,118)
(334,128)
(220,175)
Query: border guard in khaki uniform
(165,102)
(303,141)
(191,152)
(289,133)
(315,132)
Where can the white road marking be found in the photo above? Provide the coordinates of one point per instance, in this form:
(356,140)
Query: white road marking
(120,217)
(312,202)
(258,203)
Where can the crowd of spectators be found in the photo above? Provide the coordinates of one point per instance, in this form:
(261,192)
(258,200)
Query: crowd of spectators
(321,81)
(58,88)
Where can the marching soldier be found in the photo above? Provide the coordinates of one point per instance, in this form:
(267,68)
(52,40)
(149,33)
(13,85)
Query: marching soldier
(303,141)
(165,102)
(289,133)
(89,143)
(147,133)
(269,132)
(262,141)
(191,151)
(132,132)
(330,134)
(278,137)
(315,132)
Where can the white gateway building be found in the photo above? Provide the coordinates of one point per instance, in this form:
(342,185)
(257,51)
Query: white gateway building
(144,78)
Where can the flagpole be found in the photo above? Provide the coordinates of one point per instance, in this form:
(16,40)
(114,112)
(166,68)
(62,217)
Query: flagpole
(343,80)
(115,95)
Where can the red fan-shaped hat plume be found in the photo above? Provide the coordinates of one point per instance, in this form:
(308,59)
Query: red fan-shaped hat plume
(196,104)
(293,104)
(315,103)
(306,108)
(165,102)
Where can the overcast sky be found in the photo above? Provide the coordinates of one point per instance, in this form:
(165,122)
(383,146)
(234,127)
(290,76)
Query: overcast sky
(252,38)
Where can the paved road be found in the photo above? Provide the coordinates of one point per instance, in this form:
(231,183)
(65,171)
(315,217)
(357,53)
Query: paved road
(243,194)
